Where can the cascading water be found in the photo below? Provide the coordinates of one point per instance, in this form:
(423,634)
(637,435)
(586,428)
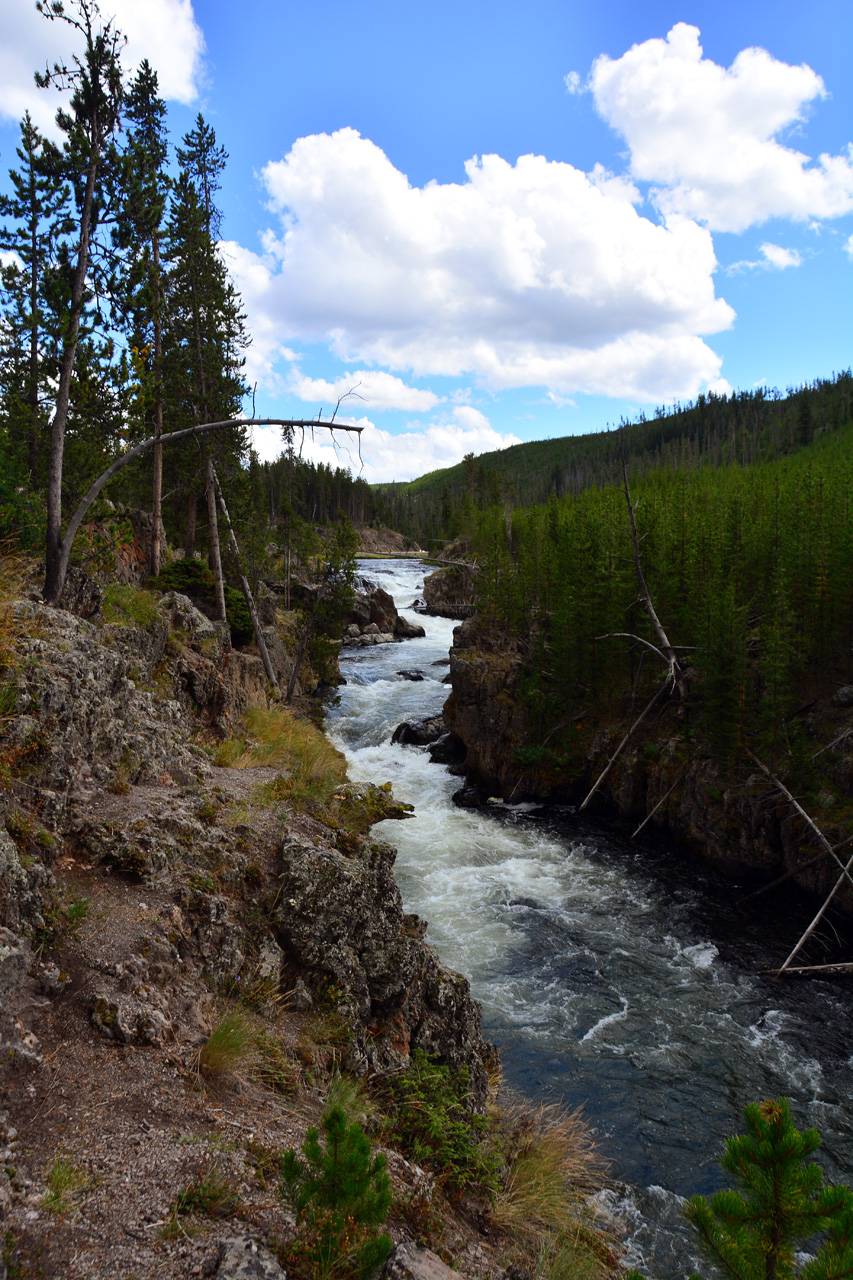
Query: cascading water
(619,977)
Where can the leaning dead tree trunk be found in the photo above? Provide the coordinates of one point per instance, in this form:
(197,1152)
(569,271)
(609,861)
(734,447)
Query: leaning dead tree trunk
(213,539)
(662,801)
(244,584)
(827,848)
(53,585)
(650,706)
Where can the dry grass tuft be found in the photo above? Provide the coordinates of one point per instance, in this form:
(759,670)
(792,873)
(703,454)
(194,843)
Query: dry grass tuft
(552,1162)
(229,1047)
(277,737)
(15,572)
(553,1168)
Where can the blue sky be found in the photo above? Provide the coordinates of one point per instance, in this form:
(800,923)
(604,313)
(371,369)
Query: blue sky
(511,221)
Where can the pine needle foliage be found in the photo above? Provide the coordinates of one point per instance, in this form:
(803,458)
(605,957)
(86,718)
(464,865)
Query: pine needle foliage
(340,1194)
(782,1206)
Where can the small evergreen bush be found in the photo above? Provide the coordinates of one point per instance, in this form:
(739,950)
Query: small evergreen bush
(340,1195)
(194,579)
(433,1123)
(756,1233)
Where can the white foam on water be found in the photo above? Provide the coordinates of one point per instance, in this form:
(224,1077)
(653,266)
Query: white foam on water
(606,1022)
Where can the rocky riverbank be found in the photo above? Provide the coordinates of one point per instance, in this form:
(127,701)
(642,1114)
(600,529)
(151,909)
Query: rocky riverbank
(148,892)
(736,820)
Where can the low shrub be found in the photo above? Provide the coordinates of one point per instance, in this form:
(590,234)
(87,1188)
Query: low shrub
(126,605)
(432,1122)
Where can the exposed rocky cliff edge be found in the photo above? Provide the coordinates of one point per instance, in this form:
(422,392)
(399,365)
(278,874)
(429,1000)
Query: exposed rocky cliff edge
(144,893)
(736,820)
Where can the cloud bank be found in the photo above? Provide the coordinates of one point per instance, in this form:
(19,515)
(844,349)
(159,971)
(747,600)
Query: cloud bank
(532,274)
(707,137)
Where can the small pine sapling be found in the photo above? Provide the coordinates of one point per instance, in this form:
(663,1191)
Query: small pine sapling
(340,1195)
(757,1232)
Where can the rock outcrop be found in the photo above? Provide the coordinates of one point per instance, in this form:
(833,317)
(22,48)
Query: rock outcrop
(373,619)
(450,592)
(385,542)
(739,824)
(339,920)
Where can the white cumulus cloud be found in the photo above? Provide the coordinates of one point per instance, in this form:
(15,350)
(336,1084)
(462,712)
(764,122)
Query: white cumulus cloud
(708,136)
(779,257)
(774,257)
(421,448)
(163,31)
(533,274)
(379,391)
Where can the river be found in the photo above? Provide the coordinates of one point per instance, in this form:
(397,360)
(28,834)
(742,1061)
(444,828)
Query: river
(618,976)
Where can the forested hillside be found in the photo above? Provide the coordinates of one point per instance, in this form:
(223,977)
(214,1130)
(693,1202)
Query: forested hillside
(749,570)
(744,428)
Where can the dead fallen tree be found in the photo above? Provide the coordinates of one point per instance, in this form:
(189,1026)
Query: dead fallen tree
(828,851)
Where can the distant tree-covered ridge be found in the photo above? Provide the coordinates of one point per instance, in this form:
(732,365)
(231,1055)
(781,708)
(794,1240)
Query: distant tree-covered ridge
(717,430)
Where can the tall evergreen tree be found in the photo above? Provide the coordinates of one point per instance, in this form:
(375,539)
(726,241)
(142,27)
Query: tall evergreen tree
(140,233)
(35,217)
(94,78)
(206,334)
(204,160)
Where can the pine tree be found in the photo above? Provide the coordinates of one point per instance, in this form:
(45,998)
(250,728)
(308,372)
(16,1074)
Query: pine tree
(340,1195)
(36,217)
(140,233)
(204,160)
(206,335)
(89,153)
(757,1232)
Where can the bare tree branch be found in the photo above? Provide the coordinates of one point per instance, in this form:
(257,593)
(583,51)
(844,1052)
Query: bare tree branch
(136,452)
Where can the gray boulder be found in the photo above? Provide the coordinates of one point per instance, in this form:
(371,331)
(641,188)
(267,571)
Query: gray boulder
(412,1262)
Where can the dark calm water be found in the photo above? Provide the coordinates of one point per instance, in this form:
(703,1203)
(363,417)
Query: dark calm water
(621,977)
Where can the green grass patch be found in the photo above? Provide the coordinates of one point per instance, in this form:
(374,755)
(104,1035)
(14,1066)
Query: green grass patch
(229,1047)
(64,1181)
(126,605)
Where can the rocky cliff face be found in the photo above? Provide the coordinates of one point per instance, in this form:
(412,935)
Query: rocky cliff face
(740,824)
(374,619)
(450,592)
(143,892)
